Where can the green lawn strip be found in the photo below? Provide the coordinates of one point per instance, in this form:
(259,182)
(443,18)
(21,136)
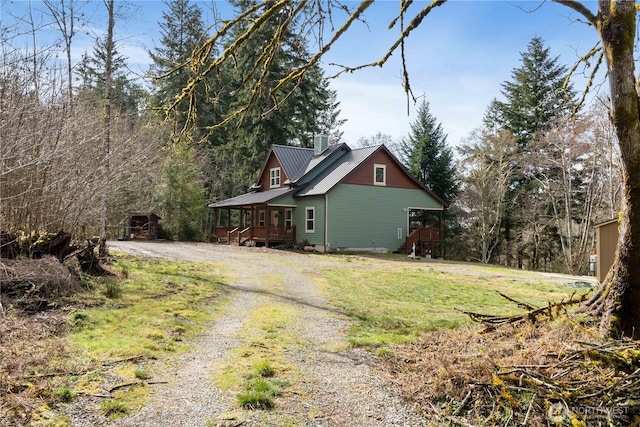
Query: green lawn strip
(397,304)
(161,306)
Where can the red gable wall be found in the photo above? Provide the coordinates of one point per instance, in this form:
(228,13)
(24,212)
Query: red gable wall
(396,176)
(272,162)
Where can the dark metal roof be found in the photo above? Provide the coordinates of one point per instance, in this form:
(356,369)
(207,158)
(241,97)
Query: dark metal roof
(337,171)
(258,197)
(292,159)
(346,164)
(297,161)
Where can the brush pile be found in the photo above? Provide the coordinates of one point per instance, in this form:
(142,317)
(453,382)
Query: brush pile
(30,285)
(552,373)
(38,268)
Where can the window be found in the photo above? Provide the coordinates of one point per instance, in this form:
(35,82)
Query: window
(261,215)
(310,220)
(288,217)
(379,174)
(274,174)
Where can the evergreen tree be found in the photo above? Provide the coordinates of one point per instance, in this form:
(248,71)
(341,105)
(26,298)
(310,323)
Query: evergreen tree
(126,95)
(534,98)
(291,116)
(428,157)
(180,194)
(182,29)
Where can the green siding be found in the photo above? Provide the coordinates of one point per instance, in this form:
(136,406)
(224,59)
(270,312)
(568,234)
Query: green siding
(368,217)
(287,200)
(316,238)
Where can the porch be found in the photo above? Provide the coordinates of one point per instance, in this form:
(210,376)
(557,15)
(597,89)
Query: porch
(258,225)
(257,235)
(257,218)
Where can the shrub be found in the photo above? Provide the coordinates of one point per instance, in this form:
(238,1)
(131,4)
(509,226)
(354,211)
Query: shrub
(112,289)
(63,394)
(264,369)
(113,408)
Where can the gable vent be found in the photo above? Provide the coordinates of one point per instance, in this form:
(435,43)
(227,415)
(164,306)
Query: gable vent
(320,143)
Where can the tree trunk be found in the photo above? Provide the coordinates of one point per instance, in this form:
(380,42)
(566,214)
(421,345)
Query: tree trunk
(618,299)
(106,143)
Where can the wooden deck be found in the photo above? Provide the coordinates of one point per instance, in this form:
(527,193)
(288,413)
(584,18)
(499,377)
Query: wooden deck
(259,235)
(427,241)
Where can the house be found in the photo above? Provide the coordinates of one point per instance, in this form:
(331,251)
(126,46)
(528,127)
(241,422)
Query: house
(332,197)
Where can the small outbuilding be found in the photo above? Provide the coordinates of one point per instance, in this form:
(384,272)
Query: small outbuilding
(607,234)
(141,226)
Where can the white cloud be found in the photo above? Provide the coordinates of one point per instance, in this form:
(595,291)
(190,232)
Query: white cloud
(371,108)
(458,103)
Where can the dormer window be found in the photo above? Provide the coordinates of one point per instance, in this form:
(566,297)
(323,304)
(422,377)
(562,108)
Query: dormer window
(274,174)
(379,174)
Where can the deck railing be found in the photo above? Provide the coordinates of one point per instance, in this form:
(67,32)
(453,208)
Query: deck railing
(277,233)
(422,235)
(244,235)
(232,236)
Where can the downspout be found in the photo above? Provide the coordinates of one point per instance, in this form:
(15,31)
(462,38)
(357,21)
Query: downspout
(326,222)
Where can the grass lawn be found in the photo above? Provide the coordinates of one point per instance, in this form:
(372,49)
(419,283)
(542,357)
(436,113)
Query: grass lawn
(150,312)
(394,302)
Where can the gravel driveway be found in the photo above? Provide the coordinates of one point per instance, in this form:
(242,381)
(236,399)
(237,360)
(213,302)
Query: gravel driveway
(333,385)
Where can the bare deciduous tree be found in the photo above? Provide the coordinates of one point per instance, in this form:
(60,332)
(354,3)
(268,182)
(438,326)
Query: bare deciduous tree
(488,163)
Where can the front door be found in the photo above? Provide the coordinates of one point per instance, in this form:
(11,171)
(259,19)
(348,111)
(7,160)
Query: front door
(274,218)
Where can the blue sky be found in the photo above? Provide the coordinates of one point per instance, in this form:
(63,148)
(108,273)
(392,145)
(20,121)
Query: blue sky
(457,58)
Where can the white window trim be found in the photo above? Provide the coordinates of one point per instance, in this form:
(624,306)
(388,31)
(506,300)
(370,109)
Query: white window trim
(288,217)
(274,177)
(261,218)
(306,220)
(384,174)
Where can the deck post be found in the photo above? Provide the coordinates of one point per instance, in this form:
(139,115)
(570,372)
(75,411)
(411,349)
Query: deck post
(267,220)
(441,234)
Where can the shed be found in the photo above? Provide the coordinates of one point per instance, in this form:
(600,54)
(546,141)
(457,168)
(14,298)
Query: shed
(142,225)
(606,244)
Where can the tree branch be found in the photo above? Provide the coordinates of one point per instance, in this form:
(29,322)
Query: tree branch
(580,8)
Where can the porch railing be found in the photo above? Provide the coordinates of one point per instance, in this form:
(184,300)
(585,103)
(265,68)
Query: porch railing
(244,235)
(232,236)
(422,235)
(277,233)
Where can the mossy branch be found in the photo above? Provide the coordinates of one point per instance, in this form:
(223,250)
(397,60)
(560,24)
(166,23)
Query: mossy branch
(552,309)
(595,52)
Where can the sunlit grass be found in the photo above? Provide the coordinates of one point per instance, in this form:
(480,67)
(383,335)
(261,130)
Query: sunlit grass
(397,303)
(160,304)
